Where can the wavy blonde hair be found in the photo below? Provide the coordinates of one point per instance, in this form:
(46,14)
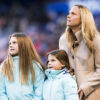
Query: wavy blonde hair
(27,53)
(88,28)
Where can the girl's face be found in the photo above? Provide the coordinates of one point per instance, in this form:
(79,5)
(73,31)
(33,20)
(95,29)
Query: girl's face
(54,63)
(13,46)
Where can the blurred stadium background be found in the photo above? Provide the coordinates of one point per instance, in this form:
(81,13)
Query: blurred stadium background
(43,20)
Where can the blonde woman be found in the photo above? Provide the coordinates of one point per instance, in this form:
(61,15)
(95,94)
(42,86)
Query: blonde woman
(21,73)
(81,41)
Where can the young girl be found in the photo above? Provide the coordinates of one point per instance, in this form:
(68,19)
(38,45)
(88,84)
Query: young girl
(60,84)
(21,73)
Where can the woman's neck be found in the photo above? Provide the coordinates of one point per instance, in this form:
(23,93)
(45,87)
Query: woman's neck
(76,29)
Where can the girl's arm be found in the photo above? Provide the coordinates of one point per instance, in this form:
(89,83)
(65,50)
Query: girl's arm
(70,89)
(3,94)
(38,82)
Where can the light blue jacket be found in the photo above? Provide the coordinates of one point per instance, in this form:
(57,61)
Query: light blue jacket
(59,85)
(17,91)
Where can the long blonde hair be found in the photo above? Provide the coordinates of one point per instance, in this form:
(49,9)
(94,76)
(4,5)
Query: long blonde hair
(88,28)
(27,53)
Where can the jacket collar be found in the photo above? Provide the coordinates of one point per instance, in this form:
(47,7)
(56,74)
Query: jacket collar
(78,38)
(15,57)
(50,73)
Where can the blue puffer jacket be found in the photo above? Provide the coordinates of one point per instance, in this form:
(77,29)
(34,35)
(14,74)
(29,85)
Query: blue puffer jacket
(59,85)
(17,91)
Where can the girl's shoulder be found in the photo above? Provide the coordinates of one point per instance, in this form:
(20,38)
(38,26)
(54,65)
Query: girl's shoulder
(66,76)
(37,65)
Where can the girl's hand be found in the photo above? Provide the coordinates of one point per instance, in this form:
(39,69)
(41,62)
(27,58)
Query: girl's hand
(80,92)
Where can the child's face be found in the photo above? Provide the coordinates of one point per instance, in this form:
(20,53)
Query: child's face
(13,46)
(54,63)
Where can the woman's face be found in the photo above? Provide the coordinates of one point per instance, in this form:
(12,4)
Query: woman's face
(74,18)
(54,63)
(13,46)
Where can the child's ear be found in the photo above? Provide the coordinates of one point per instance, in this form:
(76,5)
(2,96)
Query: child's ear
(63,66)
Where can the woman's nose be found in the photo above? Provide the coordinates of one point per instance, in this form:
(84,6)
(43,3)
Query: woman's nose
(68,16)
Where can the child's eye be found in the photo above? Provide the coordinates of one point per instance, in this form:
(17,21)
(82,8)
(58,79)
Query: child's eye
(52,60)
(14,42)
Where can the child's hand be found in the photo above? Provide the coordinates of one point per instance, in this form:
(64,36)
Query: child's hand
(80,92)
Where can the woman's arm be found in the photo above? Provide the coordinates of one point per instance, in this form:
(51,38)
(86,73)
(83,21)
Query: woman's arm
(93,81)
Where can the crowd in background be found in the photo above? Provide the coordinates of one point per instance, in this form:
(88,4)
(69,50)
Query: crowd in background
(43,20)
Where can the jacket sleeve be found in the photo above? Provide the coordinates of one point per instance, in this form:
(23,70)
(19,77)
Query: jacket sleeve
(38,83)
(3,94)
(93,81)
(70,89)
